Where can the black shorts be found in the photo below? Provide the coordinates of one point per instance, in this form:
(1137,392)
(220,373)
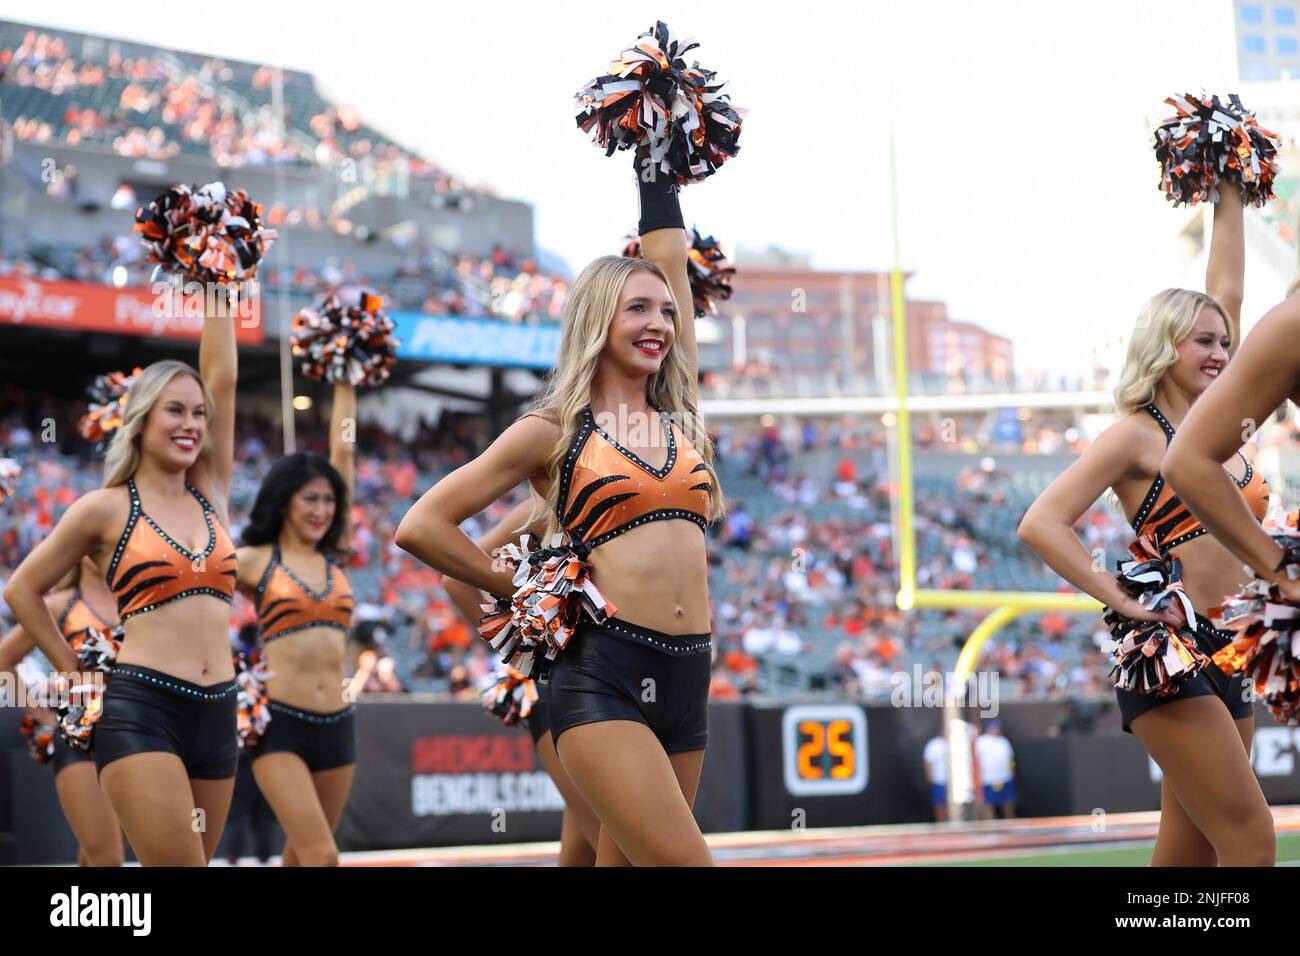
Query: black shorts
(323,741)
(1210,682)
(147,711)
(65,755)
(538,719)
(622,671)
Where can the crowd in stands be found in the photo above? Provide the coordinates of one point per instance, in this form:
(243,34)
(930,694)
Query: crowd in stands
(142,107)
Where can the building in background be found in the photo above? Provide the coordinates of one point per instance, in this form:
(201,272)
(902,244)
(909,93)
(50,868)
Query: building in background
(792,330)
(1268,39)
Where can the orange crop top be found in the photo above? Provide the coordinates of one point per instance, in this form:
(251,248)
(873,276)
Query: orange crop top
(1168,521)
(286,604)
(605,489)
(78,617)
(155,570)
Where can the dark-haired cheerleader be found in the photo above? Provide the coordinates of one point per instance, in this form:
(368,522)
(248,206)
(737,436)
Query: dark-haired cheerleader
(1199,729)
(79,604)
(580,830)
(291,566)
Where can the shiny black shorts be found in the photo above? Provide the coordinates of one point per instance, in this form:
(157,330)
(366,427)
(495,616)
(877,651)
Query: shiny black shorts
(622,671)
(147,711)
(323,741)
(65,755)
(538,719)
(1234,690)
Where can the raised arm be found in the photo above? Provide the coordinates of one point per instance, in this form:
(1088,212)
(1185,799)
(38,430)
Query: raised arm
(431,531)
(77,534)
(467,597)
(1225,273)
(1048,525)
(219,366)
(343,448)
(664,242)
(1260,377)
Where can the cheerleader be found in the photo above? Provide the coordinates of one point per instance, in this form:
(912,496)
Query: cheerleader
(580,830)
(164,742)
(1211,806)
(615,447)
(290,567)
(80,603)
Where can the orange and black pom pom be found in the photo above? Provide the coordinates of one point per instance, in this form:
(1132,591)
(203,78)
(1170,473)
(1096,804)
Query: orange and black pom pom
(108,395)
(341,343)
(1210,141)
(207,234)
(710,272)
(650,95)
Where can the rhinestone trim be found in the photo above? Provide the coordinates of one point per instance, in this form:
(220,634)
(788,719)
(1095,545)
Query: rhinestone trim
(344,714)
(185,688)
(659,515)
(636,459)
(1159,483)
(228,598)
(637,634)
(329,576)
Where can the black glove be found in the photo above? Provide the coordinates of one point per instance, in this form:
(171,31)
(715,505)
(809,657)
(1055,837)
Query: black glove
(660,207)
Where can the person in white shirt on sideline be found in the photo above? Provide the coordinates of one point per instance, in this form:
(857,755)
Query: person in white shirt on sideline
(935,756)
(997,764)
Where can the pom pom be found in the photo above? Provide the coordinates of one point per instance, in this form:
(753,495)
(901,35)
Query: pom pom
(97,650)
(1154,657)
(108,394)
(9,472)
(554,590)
(1266,625)
(39,737)
(82,704)
(1209,141)
(511,696)
(208,234)
(339,343)
(710,272)
(651,96)
(254,713)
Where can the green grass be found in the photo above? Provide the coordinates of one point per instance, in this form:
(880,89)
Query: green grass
(1288,852)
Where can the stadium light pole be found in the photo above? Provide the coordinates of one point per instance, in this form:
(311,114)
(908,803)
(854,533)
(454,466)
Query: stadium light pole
(286,359)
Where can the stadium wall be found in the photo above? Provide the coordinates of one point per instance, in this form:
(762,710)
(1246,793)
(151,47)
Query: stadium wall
(444,774)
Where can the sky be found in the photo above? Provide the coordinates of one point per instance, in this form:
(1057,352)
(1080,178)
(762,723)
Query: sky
(1027,185)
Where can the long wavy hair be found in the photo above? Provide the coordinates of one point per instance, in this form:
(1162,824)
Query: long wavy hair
(1167,318)
(588,314)
(281,483)
(123,455)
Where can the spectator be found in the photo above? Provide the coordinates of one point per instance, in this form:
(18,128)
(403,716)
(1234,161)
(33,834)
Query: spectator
(997,766)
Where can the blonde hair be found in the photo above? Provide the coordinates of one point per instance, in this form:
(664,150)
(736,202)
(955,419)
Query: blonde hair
(592,303)
(123,456)
(1166,319)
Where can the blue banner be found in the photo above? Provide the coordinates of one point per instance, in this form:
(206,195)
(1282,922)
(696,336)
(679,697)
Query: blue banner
(467,341)
(1006,427)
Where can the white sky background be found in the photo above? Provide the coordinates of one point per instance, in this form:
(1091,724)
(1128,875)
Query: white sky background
(1026,174)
